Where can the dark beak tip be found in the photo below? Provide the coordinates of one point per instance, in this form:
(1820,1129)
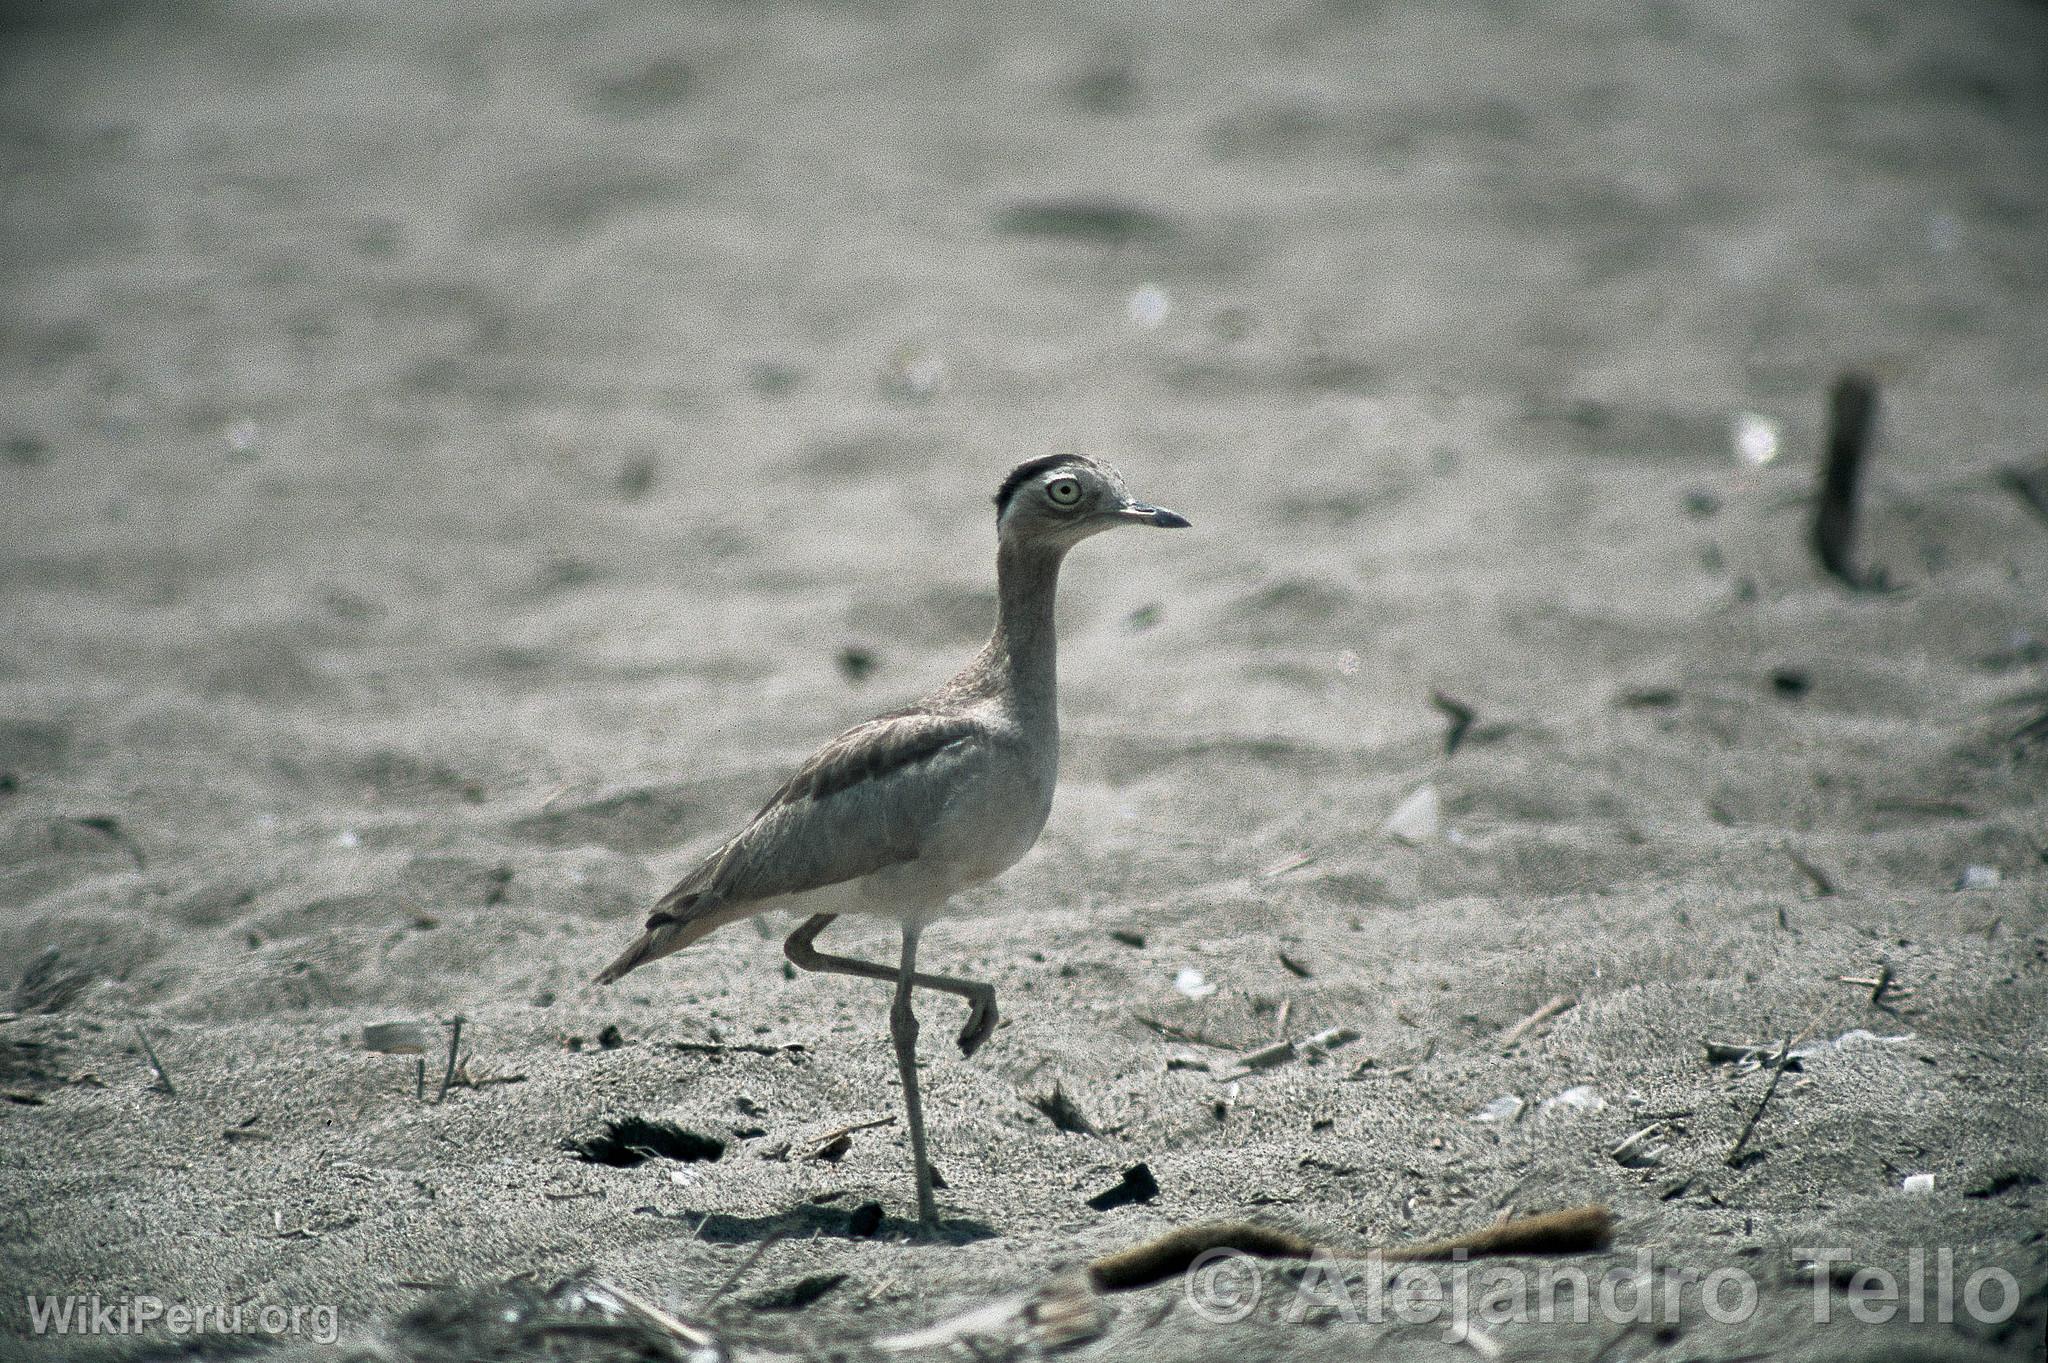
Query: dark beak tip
(1170,520)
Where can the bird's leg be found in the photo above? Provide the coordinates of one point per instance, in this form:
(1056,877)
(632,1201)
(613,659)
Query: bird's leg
(903,1030)
(981,998)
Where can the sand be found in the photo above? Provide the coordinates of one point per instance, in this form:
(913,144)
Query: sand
(457,460)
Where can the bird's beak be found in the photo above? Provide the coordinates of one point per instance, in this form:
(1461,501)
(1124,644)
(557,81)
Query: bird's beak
(1153,515)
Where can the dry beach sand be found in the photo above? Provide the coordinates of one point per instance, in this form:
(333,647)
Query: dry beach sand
(457,459)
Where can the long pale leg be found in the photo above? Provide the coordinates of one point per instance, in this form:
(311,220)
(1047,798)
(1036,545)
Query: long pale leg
(903,1030)
(981,998)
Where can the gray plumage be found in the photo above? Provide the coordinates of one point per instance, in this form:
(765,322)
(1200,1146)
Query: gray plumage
(901,812)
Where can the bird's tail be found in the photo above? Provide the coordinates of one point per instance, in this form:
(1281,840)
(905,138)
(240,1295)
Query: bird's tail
(677,921)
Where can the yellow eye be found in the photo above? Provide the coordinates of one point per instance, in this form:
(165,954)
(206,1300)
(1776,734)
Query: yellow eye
(1063,491)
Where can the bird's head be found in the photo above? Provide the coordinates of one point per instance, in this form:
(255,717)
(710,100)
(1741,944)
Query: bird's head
(1062,499)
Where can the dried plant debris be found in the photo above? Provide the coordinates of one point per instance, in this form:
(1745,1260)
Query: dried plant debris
(50,984)
(1735,1158)
(1512,1036)
(1058,1315)
(1579,1230)
(1311,1048)
(631,1141)
(163,1077)
(833,1145)
(1852,419)
(1748,1055)
(575,1320)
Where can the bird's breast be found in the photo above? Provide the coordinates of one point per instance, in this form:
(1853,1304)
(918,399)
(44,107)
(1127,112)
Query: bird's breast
(996,817)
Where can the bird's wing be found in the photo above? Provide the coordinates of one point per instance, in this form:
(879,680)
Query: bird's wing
(848,811)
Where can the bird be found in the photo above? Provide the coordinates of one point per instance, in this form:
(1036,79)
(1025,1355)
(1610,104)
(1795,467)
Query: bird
(901,812)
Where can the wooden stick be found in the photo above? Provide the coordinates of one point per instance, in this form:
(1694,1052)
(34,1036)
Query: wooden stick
(1734,1156)
(1577,1231)
(1286,864)
(154,1063)
(836,1133)
(448,1075)
(1852,415)
(1561,1004)
(1174,1033)
(1460,716)
(658,1318)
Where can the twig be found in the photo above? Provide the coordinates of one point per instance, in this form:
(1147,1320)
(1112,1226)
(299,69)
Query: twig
(448,1075)
(721,1047)
(1459,714)
(830,1136)
(1852,415)
(1639,1150)
(1741,1053)
(419,1080)
(1286,864)
(1280,1016)
(1280,1052)
(1823,883)
(1173,1033)
(658,1318)
(1734,1155)
(1561,1004)
(1580,1230)
(733,1279)
(161,1077)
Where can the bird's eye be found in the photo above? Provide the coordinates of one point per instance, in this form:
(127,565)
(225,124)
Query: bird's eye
(1063,491)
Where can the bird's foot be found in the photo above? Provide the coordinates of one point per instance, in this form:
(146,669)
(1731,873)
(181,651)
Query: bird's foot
(981,1022)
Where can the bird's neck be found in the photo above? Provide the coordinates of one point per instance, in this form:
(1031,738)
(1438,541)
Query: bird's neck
(1024,651)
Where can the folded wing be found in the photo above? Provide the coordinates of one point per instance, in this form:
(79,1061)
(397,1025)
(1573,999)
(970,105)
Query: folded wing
(859,804)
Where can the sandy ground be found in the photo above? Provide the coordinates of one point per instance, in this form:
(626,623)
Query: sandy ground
(449,452)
